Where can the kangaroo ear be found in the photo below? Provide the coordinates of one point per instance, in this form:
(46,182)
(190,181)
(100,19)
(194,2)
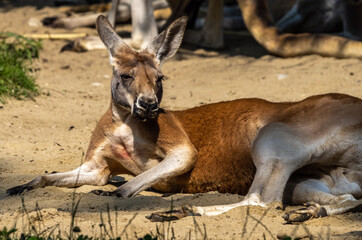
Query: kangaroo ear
(108,36)
(166,44)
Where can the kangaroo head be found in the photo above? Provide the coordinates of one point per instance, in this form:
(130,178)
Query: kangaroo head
(137,78)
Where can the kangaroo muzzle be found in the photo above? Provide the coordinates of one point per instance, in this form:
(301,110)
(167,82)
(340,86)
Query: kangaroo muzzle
(145,107)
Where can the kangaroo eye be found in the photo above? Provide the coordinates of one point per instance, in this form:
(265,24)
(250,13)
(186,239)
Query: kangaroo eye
(126,77)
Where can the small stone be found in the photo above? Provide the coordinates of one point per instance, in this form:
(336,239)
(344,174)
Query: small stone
(34,22)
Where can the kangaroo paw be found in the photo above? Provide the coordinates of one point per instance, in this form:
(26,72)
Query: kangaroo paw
(106,193)
(171,215)
(102,193)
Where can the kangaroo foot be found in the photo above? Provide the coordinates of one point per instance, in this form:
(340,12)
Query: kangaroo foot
(312,210)
(18,190)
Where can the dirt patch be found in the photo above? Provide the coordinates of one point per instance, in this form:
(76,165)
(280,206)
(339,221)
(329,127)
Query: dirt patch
(52,133)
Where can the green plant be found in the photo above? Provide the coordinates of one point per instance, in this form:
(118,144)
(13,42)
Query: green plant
(5,234)
(16,55)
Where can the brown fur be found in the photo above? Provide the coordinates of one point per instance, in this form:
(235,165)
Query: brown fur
(224,161)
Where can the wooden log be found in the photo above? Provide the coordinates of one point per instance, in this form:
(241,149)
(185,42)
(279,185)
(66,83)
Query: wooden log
(259,23)
(55,36)
(162,14)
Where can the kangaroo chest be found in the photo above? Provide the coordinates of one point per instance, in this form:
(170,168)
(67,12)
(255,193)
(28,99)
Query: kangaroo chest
(134,152)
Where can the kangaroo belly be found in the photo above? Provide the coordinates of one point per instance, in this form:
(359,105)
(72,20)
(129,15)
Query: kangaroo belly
(225,172)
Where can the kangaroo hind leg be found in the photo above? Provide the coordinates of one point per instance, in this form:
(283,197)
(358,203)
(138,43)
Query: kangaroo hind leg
(277,152)
(330,194)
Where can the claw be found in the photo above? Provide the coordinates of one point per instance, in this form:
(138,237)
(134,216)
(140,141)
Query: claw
(106,193)
(102,193)
(171,215)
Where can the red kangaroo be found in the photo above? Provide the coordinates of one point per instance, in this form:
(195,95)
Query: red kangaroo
(307,151)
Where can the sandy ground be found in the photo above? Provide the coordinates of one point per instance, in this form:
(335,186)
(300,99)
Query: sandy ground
(52,134)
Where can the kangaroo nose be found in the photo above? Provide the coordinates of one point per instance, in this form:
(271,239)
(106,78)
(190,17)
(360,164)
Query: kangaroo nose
(148,105)
(153,106)
(143,104)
